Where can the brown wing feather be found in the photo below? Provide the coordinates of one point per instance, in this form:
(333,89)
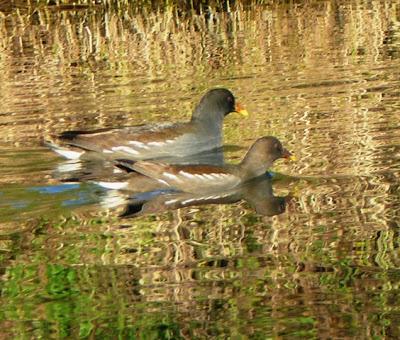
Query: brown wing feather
(151,169)
(189,178)
(101,139)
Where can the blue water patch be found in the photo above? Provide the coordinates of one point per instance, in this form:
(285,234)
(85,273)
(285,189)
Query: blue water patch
(55,189)
(83,198)
(63,194)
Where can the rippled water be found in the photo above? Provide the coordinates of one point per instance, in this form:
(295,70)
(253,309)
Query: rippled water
(323,76)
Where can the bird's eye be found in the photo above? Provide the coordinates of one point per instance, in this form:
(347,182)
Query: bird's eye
(229,99)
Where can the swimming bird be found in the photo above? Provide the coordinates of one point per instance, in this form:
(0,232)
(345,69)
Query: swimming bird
(203,178)
(203,132)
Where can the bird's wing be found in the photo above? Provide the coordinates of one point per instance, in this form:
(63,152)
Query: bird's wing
(194,178)
(145,141)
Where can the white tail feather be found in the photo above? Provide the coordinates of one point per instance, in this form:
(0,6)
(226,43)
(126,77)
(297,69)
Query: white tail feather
(67,153)
(112,185)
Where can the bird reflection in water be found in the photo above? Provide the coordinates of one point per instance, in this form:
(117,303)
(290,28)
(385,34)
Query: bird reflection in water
(257,192)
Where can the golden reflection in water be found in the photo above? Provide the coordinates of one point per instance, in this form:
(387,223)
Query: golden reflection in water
(54,58)
(321,75)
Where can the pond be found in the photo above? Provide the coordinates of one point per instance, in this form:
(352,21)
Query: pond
(311,251)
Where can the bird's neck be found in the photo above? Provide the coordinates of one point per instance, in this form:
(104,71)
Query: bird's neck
(252,166)
(208,114)
(210,124)
(253,171)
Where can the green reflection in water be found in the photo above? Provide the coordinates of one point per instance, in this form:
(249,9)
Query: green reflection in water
(64,301)
(321,75)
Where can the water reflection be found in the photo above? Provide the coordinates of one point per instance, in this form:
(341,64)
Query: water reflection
(257,192)
(323,76)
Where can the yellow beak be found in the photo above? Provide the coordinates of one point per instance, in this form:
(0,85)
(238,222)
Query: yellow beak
(288,155)
(240,109)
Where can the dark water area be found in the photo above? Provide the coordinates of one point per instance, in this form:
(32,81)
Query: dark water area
(311,252)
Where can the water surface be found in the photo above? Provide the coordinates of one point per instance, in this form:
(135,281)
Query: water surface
(323,76)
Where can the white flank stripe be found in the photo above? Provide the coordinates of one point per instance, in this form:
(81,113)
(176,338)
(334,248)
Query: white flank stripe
(126,149)
(186,174)
(136,143)
(69,154)
(200,176)
(112,185)
(156,143)
(163,182)
(213,197)
(171,201)
(210,176)
(107,151)
(189,200)
(171,176)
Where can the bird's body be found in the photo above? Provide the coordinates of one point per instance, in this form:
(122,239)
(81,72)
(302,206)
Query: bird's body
(191,178)
(208,178)
(203,132)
